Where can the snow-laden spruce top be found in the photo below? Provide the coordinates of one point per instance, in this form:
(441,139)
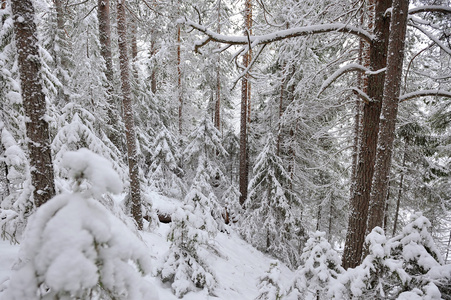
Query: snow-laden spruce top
(74,248)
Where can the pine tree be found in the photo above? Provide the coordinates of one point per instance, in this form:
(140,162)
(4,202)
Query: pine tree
(270,221)
(165,175)
(192,227)
(202,157)
(319,269)
(380,276)
(270,286)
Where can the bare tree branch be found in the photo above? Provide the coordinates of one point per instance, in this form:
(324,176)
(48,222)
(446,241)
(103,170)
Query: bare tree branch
(425,93)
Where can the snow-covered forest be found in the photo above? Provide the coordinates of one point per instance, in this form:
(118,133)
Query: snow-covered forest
(225,149)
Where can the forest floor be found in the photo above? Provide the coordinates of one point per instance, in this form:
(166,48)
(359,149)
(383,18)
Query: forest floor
(236,265)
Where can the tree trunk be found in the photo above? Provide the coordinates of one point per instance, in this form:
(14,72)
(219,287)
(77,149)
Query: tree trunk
(355,235)
(243,138)
(217,118)
(392,87)
(42,176)
(134,42)
(103,15)
(401,182)
(153,73)
(132,154)
(179,80)
(244,174)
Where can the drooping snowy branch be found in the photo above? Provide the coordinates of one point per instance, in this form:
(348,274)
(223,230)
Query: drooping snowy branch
(346,69)
(430,8)
(432,38)
(275,36)
(424,93)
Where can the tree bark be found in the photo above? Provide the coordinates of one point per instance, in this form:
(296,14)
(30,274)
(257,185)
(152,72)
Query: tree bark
(359,201)
(179,80)
(392,87)
(103,15)
(400,189)
(217,117)
(244,174)
(42,175)
(132,154)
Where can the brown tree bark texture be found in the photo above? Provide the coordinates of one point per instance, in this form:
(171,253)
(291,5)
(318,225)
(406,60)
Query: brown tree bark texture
(244,174)
(37,128)
(128,116)
(392,87)
(359,202)
(103,15)
(179,80)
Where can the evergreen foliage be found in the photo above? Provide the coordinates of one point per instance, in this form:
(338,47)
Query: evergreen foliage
(74,248)
(270,220)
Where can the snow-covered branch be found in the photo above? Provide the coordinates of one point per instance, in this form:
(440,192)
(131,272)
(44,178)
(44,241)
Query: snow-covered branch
(430,8)
(424,93)
(432,38)
(346,69)
(275,36)
(361,94)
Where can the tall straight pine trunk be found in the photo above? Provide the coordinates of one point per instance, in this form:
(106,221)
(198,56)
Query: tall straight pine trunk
(244,171)
(103,15)
(392,87)
(359,202)
(42,175)
(132,153)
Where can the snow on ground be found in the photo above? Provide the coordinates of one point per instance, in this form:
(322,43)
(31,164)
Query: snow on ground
(8,254)
(237,266)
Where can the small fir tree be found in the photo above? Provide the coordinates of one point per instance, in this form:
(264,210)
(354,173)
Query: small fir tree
(165,173)
(270,222)
(75,249)
(270,284)
(191,228)
(319,269)
(380,276)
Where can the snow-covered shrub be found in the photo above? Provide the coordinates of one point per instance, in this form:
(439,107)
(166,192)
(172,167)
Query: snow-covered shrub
(18,204)
(74,248)
(269,286)
(378,277)
(319,269)
(415,247)
(191,229)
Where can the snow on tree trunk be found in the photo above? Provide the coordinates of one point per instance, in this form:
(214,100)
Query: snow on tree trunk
(34,103)
(390,102)
(359,202)
(132,153)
